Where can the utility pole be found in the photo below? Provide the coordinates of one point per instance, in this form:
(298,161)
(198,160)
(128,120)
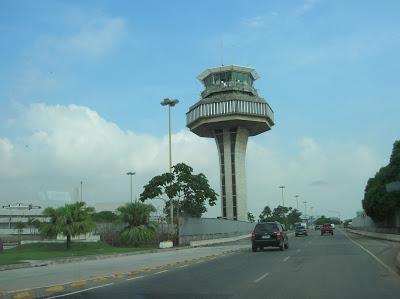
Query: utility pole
(297,201)
(283,202)
(170,103)
(131,173)
(81,191)
(305,208)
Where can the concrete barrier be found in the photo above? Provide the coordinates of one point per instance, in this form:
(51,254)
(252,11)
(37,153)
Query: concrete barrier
(192,230)
(388,237)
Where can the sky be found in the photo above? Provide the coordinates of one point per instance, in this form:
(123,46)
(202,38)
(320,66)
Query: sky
(81,84)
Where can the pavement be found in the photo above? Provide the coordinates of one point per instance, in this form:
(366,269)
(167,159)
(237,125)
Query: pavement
(338,266)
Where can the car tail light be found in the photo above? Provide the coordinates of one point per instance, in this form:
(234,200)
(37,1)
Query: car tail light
(278,235)
(253,236)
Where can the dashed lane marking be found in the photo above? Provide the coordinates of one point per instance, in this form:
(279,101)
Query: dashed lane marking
(133,278)
(286,258)
(161,272)
(261,277)
(371,254)
(183,266)
(84,290)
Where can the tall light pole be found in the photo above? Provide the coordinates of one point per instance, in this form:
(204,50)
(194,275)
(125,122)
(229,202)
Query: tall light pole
(131,173)
(283,202)
(297,201)
(81,191)
(305,208)
(170,103)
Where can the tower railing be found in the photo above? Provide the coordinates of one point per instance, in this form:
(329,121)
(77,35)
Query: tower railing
(241,107)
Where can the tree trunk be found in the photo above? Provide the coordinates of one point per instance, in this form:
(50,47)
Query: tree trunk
(68,241)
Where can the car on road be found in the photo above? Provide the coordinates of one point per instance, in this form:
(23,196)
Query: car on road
(269,234)
(317,227)
(300,231)
(326,229)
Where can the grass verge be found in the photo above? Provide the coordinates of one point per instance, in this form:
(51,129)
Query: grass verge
(46,251)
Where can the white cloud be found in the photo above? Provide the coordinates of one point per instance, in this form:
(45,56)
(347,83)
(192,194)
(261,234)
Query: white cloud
(67,144)
(96,37)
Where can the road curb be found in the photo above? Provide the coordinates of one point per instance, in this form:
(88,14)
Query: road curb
(41,263)
(90,282)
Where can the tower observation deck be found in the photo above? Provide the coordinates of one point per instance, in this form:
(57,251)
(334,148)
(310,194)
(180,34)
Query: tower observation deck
(230,110)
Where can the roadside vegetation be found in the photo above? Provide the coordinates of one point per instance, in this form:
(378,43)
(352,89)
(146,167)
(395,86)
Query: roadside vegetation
(286,215)
(378,203)
(47,251)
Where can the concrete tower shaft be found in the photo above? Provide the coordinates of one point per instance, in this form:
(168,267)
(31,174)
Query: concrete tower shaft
(230,111)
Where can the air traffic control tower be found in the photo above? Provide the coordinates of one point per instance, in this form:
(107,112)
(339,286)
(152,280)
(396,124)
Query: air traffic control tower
(230,110)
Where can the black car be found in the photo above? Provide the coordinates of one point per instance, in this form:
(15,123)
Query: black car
(269,234)
(300,231)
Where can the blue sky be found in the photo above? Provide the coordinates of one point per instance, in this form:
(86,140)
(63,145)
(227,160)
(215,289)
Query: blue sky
(329,69)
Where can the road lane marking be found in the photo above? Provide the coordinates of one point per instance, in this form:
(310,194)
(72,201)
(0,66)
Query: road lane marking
(261,277)
(183,266)
(133,278)
(286,258)
(371,254)
(76,292)
(161,272)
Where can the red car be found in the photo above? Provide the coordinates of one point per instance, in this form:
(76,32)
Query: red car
(326,229)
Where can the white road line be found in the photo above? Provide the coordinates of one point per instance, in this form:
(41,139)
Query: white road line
(76,292)
(183,266)
(133,278)
(286,258)
(261,277)
(161,272)
(371,254)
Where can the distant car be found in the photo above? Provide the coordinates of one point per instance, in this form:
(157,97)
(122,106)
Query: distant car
(333,226)
(317,227)
(326,229)
(300,231)
(269,234)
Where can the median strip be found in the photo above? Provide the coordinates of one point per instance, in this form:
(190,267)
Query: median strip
(77,292)
(24,295)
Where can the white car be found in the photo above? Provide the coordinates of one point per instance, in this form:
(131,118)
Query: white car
(333,226)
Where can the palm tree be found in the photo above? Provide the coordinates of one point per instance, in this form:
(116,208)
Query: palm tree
(20,227)
(136,217)
(70,221)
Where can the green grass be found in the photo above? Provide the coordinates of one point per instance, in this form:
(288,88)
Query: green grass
(46,251)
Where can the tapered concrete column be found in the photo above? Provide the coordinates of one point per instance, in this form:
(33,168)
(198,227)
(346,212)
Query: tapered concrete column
(231,143)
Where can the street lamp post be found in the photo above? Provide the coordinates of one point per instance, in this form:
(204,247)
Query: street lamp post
(170,103)
(131,173)
(283,202)
(81,191)
(305,208)
(297,201)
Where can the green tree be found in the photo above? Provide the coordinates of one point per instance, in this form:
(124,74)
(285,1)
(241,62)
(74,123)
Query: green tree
(250,217)
(377,203)
(20,228)
(293,217)
(104,216)
(279,214)
(70,221)
(265,214)
(189,191)
(138,229)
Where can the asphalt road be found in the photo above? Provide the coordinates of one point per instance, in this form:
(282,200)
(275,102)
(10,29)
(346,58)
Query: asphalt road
(313,267)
